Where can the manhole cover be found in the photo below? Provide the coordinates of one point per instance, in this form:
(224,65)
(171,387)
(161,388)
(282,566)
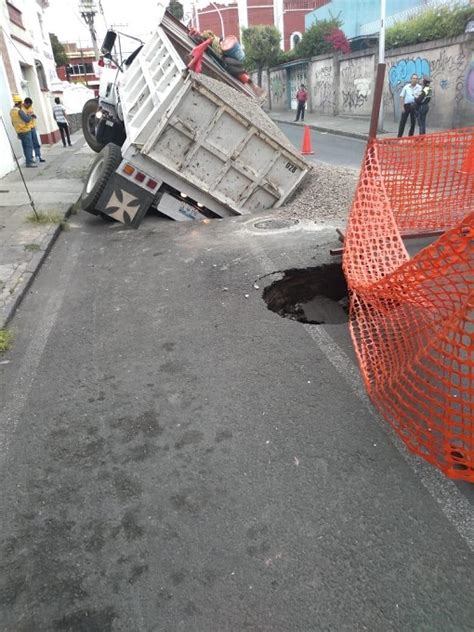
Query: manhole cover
(275,224)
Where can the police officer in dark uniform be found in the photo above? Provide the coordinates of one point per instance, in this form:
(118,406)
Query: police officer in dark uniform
(422,104)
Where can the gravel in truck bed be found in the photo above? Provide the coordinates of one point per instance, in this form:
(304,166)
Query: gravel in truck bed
(247,107)
(325,194)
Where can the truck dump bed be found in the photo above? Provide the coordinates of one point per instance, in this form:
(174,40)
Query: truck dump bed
(197,145)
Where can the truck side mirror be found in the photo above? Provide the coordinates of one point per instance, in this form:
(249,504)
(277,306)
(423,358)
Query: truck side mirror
(108,42)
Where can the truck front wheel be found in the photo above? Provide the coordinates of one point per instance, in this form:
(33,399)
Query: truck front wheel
(89,123)
(101,170)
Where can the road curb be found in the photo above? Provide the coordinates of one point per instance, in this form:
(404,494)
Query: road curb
(327,130)
(28,275)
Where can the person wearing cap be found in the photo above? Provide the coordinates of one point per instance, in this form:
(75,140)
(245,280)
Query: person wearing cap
(28,108)
(21,122)
(422,104)
(408,97)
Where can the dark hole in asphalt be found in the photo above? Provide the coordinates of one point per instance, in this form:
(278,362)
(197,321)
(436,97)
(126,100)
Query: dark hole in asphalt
(315,296)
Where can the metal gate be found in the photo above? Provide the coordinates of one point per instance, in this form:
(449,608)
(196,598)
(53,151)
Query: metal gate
(297,76)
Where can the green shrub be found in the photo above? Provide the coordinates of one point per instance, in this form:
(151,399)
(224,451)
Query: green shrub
(432,24)
(314,40)
(289,55)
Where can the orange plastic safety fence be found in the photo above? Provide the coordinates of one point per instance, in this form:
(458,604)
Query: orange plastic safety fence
(412,319)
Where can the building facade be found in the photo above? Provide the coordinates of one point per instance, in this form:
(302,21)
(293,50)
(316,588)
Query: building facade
(27,68)
(363,17)
(228,19)
(81,68)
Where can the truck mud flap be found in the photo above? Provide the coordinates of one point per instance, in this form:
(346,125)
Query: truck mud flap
(124,201)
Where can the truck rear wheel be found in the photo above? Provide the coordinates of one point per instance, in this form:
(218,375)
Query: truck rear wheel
(101,170)
(89,124)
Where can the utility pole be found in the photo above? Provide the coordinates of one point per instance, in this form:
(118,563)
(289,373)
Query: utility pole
(381,55)
(83,63)
(88,11)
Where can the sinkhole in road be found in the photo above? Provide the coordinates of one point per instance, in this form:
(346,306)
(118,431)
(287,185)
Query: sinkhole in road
(316,296)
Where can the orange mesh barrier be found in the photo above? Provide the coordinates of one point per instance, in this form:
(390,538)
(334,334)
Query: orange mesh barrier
(412,319)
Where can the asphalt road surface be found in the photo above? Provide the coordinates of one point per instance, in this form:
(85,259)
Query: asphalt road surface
(175,456)
(332,149)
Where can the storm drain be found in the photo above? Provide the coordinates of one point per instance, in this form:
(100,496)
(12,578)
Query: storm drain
(315,296)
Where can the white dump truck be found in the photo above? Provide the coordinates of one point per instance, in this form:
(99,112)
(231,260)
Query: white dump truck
(194,146)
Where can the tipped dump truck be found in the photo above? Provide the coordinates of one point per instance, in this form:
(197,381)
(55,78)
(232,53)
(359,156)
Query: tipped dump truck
(195,146)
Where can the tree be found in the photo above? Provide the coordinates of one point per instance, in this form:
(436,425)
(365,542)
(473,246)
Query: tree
(59,52)
(338,41)
(176,9)
(262,48)
(320,37)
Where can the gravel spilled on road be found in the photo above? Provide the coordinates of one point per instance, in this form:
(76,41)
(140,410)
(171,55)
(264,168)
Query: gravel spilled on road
(325,194)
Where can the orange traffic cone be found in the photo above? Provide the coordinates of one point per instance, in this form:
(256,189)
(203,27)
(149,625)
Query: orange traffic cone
(306,147)
(468,162)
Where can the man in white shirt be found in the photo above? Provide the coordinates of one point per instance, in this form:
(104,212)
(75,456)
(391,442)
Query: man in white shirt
(408,97)
(59,113)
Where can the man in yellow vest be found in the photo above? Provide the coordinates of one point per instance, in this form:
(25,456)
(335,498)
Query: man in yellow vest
(28,108)
(21,122)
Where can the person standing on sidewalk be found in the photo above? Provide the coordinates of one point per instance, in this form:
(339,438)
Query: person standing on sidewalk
(21,122)
(408,97)
(28,108)
(301,98)
(59,113)
(422,103)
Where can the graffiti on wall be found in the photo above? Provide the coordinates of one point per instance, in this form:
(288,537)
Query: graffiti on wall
(447,69)
(400,74)
(297,77)
(355,88)
(323,90)
(452,66)
(356,97)
(402,70)
(277,88)
(470,83)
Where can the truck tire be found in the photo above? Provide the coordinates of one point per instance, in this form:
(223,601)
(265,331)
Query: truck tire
(101,170)
(88,124)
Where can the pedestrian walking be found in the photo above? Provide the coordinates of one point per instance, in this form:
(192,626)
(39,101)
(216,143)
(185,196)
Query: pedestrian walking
(59,113)
(301,98)
(21,122)
(408,97)
(422,103)
(28,108)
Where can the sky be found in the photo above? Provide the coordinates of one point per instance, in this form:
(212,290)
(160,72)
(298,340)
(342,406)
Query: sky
(136,17)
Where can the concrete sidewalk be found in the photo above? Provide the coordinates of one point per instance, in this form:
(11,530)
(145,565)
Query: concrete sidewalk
(342,125)
(54,187)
